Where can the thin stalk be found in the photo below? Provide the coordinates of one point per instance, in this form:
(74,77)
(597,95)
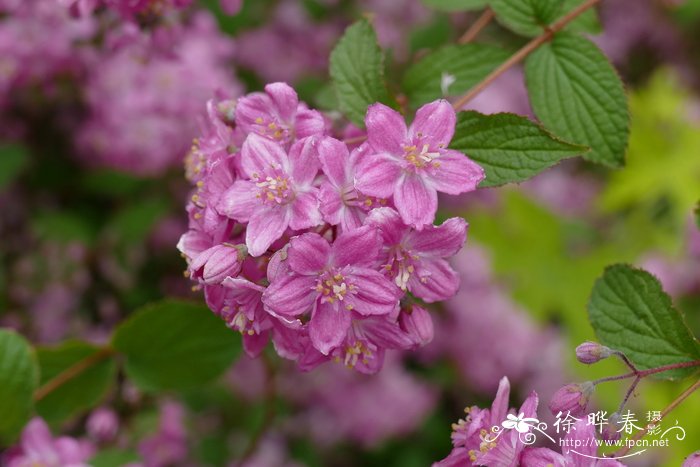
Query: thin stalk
(72,372)
(480,23)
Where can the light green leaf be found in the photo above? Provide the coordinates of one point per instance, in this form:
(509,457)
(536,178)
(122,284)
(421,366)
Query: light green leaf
(80,393)
(18,380)
(587,22)
(357,71)
(631,313)
(576,92)
(526,17)
(175,345)
(450,70)
(455,5)
(509,147)
(13,159)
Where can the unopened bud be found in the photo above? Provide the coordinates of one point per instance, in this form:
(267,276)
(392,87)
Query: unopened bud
(417,323)
(572,398)
(692,460)
(610,431)
(592,352)
(217,263)
(102,424)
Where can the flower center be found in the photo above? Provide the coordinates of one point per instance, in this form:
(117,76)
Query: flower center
(235,319)
(358,351)
(421,158)
(274,188)
(272,129)
(334,286)
(401,266)
(353,198)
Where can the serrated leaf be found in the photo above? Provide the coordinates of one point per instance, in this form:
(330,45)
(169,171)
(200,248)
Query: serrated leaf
(587,22)
(357,71)
(80,393)
(455,5)
(463,66)
(509,147)
(18,380)
(13,159)
(576,93)
(175,345)
(527,17)
(630,312)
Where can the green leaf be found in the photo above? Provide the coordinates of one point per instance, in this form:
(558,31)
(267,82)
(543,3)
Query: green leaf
(509,147)
(13,159)
(455,5)
(462,65)
(175,345)
(526,17)
(587,22)
(18,376)
(697,215)
(575,91)
(114,458)
(357,71)
(81,392)
(631,313)
(133,223)
(63,227)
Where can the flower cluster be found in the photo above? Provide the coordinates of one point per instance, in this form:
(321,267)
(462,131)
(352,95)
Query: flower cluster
(502,436)
(129,8)
(295,236)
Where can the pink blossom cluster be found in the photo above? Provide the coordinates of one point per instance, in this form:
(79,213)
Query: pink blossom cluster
(476,443)
(325,249)
(130,8)
(143,86)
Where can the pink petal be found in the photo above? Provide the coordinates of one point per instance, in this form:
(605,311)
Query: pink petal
(309,123)
(385,332)
(259,154)
(543,457)
(334,158)
(456,174)
(37,441)
(285,100)
(193,242)
(305,212)
(231,7)
(434,280)
(434,124)
(377,175)
(308,254)
(290,295)
(359,247)
(389,223)
(250,107)
(375,294)
(240,201)
(386,129)
(266,226)
(331,204)
(415,201)
(328,327)
(442,241)
(499,408)
(303,161)
(73,452)
(254,344)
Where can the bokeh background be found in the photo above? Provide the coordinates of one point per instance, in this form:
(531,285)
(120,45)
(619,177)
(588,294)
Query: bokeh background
(97,114)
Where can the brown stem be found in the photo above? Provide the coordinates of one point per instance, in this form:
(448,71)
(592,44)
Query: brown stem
(72,372)
(524,52)
(651,371)
(480,23)
(677,401)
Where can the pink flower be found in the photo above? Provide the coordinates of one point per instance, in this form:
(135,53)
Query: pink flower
(414,260)
(581,435)
(572,398)
(38,447)
(413,164)
(168,445)
(215,264)
(337,283)
(341,203)
(277,192)
(692,460)
(417,323)
(470,447)
(278,115)
(103,424)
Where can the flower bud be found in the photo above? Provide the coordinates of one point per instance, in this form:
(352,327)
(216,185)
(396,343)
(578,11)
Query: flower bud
(417,323)
(692,460)
(103,424)
(217,263)
(610,431)
(592,352)
(572,398)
